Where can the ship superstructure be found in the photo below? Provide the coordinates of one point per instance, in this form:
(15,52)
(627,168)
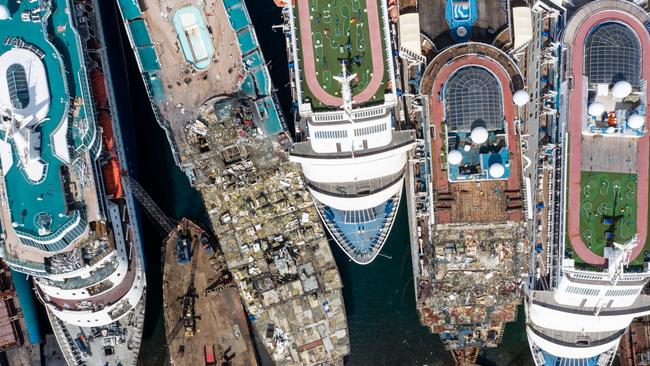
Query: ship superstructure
(63,213)
(353,158)
(218,108)
(584,297)
(469,250)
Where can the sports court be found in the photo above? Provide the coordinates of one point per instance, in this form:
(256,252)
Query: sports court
(341,31)
(607,209)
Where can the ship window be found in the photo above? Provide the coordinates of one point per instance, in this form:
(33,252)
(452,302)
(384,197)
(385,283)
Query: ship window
(18,88)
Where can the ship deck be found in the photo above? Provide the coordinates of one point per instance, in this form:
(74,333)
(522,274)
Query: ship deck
(222,324)
(343,30)
(605,202)
(452,188)
(38,204)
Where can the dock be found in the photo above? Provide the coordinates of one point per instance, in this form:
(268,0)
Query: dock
(219,324)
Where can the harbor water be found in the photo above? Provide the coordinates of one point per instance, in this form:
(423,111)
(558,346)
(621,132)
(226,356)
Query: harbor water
(379,298)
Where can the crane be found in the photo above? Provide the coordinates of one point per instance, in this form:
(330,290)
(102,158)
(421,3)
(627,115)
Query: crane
(155,213)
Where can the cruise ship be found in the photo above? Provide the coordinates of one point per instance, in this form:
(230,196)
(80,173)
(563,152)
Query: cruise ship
(64,213)
(354,156)
(469,250)
(589,286)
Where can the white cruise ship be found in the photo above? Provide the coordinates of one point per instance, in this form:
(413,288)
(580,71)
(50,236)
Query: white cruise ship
(353,158)
(64,213)
(589,285)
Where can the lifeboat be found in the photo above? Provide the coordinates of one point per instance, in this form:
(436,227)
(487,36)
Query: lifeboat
(112,179)
(393,10)
(98,85)
(106,122)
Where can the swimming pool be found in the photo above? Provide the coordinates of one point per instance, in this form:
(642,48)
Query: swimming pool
(194,37)
(461,16)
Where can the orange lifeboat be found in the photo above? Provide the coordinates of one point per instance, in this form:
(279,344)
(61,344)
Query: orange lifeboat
(106,122)
(99,88)
(112,180)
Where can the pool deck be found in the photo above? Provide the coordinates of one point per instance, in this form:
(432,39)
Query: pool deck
(577,100)
(310,70)
(56,38)
(184,86)
(441,182)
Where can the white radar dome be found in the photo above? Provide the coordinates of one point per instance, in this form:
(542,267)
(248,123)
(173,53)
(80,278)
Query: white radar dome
(596,109)
(621,89)
(497,170)
(520,97)
(454,157)
(636,121)
(4,12)
(479,135)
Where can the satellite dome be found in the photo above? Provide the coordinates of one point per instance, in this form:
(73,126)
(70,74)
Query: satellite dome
(454,157)
(520,97)
(479,135)
(621,89)
(635,121)
(497,170)
(596,109)
(4,12)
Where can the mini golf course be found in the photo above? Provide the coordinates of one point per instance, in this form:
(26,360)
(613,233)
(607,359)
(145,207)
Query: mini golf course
(608,205)
(340,33)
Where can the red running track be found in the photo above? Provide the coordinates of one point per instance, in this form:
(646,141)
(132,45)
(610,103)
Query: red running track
(437,112)
(309,63)
(576,102)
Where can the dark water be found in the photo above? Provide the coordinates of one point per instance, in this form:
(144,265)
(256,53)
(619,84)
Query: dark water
(379,298)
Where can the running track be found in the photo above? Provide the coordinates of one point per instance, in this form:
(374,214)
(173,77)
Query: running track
(576,114)
(437,113)
(309,63)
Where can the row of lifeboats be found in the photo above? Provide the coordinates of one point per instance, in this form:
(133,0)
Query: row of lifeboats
(111,170)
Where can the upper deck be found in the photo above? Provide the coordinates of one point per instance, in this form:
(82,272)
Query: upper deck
(49,126)
(475,149)
(190,55)
(607,193)
(345,33)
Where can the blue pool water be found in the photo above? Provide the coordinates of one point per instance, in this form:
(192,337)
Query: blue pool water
(195,40)
(461,16)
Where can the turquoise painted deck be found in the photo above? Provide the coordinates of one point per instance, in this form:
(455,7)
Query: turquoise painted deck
(26,300)
(148,58)
(246,41)
(139,33)
(238,17)
(28,200)
(129,8)
(189,43)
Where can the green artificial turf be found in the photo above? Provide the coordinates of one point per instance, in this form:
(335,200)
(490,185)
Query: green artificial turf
(607,196)
(340,33)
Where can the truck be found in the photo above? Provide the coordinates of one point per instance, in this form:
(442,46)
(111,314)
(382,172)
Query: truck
(209,356)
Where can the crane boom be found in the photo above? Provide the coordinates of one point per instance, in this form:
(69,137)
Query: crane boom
(155,212)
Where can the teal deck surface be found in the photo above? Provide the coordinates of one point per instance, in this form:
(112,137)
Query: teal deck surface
(30,201)
(246,41)
(130,9)
(140,33)
(148,58)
